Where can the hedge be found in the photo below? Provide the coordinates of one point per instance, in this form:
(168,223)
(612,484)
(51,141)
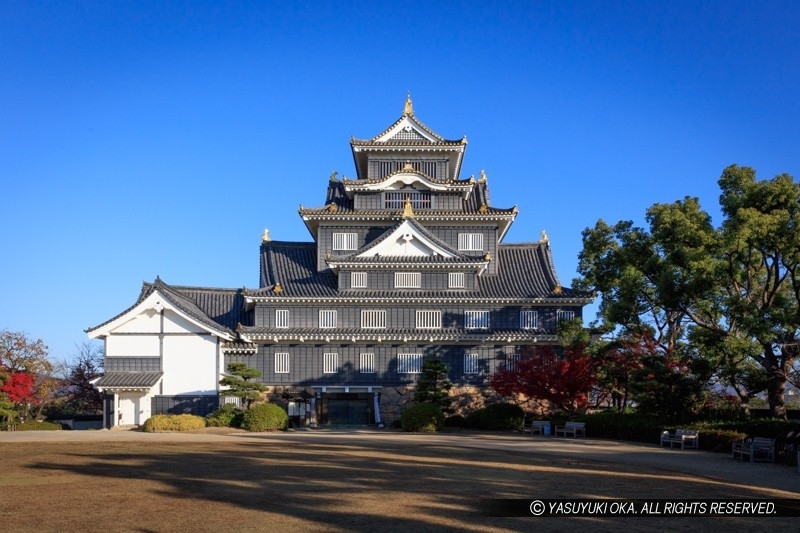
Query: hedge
(173,423)
(422,417)
(265,417)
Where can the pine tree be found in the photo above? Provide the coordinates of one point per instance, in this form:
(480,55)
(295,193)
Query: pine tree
(433,386)
(240,385)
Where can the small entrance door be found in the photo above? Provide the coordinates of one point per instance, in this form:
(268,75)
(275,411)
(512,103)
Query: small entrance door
(347,409)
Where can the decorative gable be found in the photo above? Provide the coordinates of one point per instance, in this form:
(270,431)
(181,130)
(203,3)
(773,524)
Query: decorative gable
(406,240)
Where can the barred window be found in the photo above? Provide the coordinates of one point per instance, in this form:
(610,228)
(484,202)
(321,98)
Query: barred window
(407,280)
(455,280)
(345,241)
(429,319)
(470,363)
(528,319)
(512,361)
(409,363)
(562,316)
(281,363)
(366,363)
(327,318)
(397,200)
(281,318)
(373,319)
(470,242)
(358,280)
(476,319)
(330,363)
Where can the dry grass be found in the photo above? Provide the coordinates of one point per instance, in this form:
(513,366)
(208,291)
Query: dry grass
(299,484)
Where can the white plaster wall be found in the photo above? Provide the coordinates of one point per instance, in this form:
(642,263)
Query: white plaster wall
(122,345)
(148,321)
(190,364)
(134,406)
(174,323)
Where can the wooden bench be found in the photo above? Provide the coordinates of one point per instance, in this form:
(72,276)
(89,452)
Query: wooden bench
(538,427)
(571,429)
(687,438)
(756,449)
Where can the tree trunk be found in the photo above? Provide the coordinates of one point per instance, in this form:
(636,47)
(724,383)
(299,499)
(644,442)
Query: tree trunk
(778,370)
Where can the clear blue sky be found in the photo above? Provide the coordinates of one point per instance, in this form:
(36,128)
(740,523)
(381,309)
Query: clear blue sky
(160,138)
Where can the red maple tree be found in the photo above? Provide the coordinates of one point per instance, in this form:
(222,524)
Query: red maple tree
(541,373)
(20,387)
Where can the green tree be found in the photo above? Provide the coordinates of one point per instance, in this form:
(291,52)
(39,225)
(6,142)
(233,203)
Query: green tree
(239,381)
(433,386)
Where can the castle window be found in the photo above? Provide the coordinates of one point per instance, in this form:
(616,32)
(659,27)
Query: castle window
(409,363)
(345,241)
(330,363)
(327,318)
(281,363)
(407,280)
(366,363)
(564,316)
(373,319)
(455,280)
(470,363)
(281,318)
(528,319)
(476,319)
(397,200)
(358,280)
(470,242)
(429,319)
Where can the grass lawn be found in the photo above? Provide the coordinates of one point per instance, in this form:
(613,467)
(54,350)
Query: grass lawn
(294,482)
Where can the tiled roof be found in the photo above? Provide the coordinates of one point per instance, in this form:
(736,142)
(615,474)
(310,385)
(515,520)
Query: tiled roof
(411,118)
(129,380)
(525,271)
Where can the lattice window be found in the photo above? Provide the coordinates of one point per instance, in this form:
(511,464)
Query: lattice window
(366,363)
(409,363)
(330,363)
(564,316)
(455,280)
(470,242)
(471,363)
(429,319)
(327,318)
(345,241)
(528,320)
(281,363)
(397,200)
(407,280)
(358,280)
(476,319)
(281,318)
(512,361)
(373,319)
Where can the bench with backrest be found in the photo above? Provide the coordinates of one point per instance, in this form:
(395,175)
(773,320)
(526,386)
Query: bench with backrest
(755,449)
(571,429)
(686,438)
(538,427)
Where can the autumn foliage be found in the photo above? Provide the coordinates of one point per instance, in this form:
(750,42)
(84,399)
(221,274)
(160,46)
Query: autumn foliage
(19,386)
(562,380)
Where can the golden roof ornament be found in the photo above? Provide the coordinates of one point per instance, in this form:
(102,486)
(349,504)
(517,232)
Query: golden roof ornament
(557,289)
(408,111)
(544,239)
(265,236)
(333,176)
(483,177)
(408,212)
(483,209)
(487,257)
(408,166)
(332,207)
(277,289)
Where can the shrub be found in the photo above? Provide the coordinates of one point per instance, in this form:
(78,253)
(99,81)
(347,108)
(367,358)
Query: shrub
(265,417)
(422,417)
(173,423)
(227,416)
(35,425)
(455,421)
(496,417)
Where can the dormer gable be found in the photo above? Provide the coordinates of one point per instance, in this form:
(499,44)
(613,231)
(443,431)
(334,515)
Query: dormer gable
(407,239)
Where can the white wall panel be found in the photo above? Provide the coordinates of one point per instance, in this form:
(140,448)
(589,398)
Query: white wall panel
(190,365)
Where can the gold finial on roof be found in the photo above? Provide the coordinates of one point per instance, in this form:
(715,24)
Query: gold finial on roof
(483,177)
(332,207)
(488,256)
(408,111)
(333,176)
(408,212)
(265,236)
(408,166)
(238,326)
(483,209)
(557,289)
(277,288)
(544,239)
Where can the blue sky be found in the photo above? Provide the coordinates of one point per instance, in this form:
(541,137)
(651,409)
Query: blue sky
(160,138)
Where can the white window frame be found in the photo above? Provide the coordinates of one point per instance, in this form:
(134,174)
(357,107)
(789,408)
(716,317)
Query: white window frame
(471,364)
(358,280)
(478,319)
(456,280)
(409,363)
(528,319)
(407,280)
(366,363)
(512,361)
(342,241)
(282,362)
(330,363)
(563,315)
(373,319)
(429,319)
(470,242)
(327,318)
(282,318)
